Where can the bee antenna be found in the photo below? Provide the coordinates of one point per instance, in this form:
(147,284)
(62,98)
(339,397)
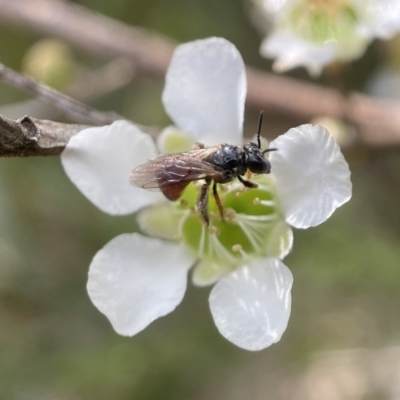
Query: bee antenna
(260,121)
(266,151)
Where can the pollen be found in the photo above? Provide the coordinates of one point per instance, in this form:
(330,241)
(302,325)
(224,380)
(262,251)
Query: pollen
(256,201)
(237,248)
(229,214)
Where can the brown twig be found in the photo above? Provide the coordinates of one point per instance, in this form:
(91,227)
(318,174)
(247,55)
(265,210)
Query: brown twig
(29,136)
(376,122)
(33,137)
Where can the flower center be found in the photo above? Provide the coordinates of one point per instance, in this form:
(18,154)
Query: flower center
(249,215)
(324,21)
(252,226)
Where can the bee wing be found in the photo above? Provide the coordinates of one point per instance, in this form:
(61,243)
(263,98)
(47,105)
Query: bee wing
(171,173)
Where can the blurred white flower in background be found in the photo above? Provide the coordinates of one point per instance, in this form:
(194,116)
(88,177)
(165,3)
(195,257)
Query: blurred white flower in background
(314,33)
(136,279)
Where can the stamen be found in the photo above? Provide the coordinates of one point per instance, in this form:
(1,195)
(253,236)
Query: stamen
(254,227)
(267,203)
(212,249)
(219,251)
(256,218)
(238,248)
(253,231)
(182,221)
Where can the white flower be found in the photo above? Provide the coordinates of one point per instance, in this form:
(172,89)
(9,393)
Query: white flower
(135,279)
(314,33)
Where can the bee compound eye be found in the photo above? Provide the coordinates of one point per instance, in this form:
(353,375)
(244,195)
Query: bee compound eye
(259,165)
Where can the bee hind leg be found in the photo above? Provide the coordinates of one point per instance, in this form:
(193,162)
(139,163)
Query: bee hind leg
(202,202)
(218,200)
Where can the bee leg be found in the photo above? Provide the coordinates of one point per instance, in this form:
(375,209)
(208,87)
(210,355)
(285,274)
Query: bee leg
(202,202)
(248,184)
(218,200)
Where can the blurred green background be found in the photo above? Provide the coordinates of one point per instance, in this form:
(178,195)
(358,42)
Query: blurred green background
(54,344)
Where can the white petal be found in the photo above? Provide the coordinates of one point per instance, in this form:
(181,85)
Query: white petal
(280,240)
(251,306)
(134,280)
(205,90)
(381,18)
(98,161)
(272,7)
(160,220)
(312,176)
(292,51)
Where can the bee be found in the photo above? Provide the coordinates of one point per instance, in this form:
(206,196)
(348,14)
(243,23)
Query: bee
(172,173)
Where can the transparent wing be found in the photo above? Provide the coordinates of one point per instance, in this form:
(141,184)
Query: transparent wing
(171,173)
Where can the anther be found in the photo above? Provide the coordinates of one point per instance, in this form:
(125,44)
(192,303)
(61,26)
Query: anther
(229,214)
(237,248)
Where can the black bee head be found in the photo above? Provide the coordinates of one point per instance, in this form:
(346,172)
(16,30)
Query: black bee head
(256,162)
